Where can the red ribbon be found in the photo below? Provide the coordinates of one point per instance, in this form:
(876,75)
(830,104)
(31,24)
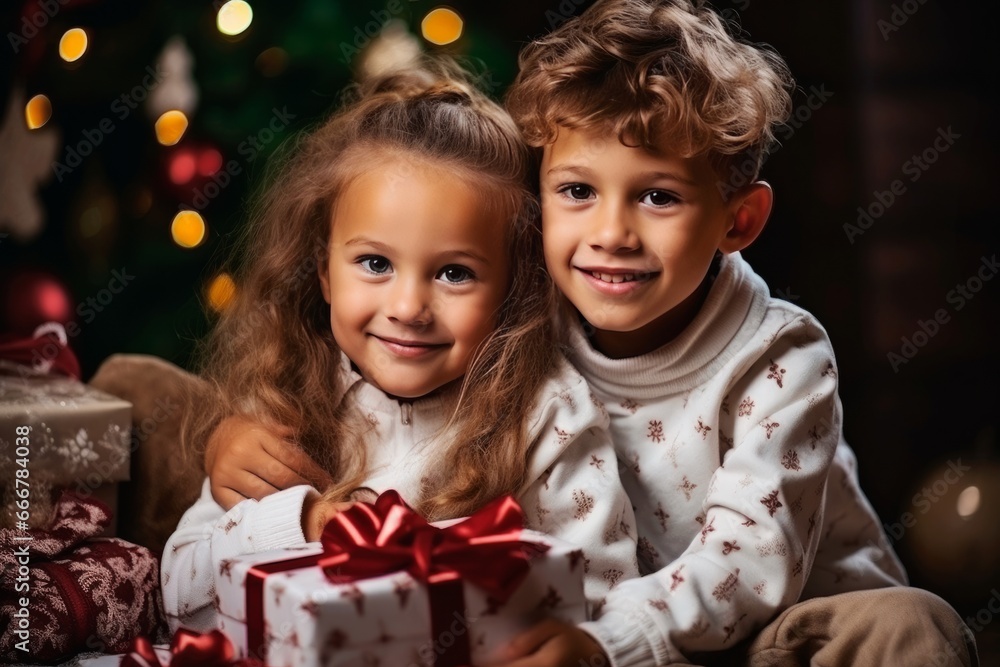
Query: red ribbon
(47,351)
(188,649)
(371,540)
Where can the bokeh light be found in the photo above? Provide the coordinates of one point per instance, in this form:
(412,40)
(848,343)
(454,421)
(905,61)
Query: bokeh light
(183,166)
(441,26)
(272,62)
(234,17)
(170,127)
(37,111)
(188,229)
(221,292)
(73,44)
(209,162)
(968,501)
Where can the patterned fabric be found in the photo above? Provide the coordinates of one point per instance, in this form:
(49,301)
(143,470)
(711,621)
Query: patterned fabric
(571,491)
(83,592)
(746,498)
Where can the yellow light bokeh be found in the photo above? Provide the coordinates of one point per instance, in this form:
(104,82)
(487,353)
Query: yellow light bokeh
(188,229)
(441,26)
(37,111)
(73,44)
(170,127)
(221,292)
(234,17)
(968,502)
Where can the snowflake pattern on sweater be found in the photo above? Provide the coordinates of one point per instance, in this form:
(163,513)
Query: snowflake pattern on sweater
(573,492)
(747,395)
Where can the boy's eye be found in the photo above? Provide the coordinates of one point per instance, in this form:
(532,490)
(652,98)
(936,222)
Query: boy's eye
(375,264)
(659,198)
(577,191)
(456,274)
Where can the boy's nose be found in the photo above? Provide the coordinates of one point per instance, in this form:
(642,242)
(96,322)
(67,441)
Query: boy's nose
(612,229)
(409,303)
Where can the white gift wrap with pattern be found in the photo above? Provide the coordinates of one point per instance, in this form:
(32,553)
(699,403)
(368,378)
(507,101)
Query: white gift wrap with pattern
(385,621)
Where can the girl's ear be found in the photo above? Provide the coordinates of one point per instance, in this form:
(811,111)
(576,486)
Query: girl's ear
(749,210)
(323,270)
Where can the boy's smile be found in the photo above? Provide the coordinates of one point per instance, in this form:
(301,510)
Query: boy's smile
(630,235)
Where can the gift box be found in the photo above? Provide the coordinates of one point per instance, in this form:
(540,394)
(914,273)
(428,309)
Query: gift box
(64,433)
(359,599)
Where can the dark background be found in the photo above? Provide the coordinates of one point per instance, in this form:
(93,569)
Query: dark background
(895,86)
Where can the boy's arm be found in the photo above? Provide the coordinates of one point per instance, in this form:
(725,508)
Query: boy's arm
(578,497)
(762,522)
(207,534)
(247,459)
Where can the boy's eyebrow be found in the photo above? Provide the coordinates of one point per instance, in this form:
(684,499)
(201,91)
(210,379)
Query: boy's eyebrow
(387,249)
(586,172)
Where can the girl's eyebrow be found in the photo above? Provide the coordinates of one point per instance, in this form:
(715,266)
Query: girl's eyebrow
(386,249)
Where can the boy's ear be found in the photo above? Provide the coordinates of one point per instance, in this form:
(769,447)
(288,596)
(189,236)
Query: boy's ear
(749,210)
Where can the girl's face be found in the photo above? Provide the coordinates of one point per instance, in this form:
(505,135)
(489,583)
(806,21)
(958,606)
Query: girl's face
(416,273)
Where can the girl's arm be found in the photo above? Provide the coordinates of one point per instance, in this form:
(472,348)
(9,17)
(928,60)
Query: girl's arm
(207,534)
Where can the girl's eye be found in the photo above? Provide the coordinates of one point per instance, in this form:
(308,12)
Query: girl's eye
(375,264)
(577,191)
(659,198)
(456,274)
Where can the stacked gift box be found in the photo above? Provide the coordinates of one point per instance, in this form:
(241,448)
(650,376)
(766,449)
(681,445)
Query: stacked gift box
(78,439)
(307,615)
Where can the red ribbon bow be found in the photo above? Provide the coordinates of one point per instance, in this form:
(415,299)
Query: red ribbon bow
(371,540)
(188,649)
(47,351)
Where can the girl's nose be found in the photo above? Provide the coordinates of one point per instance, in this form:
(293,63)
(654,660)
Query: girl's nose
(409,304)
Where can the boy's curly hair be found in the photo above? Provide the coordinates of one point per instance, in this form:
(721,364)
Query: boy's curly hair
(654,71)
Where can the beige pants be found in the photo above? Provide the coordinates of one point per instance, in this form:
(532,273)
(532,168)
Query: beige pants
(908,627)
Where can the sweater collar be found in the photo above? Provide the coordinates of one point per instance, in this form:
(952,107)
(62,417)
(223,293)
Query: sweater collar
(733,311)
(369,397)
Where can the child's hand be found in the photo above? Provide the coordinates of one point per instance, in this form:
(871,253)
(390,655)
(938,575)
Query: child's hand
(552,643)
(244,459)
(316,511)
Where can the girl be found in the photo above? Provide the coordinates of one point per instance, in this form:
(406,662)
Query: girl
(393,316)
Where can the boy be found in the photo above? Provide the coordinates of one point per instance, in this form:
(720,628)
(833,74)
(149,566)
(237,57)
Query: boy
(723,401)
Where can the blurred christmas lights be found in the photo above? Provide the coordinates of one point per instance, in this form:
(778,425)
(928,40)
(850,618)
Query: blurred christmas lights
(221,292)
(37,111)
(234,17)
(441,26)
(188,229)
(170,127)
(73,44)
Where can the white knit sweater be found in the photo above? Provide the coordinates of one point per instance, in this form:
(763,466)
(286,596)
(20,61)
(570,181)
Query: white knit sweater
(745,494)
(572,491)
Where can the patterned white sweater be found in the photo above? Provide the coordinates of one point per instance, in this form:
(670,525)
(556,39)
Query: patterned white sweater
(745,494)
(572,491)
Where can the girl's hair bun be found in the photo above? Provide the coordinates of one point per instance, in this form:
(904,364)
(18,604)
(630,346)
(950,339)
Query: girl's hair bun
(437,80)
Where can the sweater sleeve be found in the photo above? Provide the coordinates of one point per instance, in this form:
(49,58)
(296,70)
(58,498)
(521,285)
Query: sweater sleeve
(207,534)
(762,514)
(575,493)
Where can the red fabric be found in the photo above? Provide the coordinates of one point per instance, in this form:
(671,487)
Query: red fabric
(85,593)
(46,352)
(188,649)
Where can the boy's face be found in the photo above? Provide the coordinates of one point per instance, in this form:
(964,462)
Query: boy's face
(629,236)
(415,275)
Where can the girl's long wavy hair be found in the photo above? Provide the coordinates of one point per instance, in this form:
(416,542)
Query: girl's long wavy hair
(272,356)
